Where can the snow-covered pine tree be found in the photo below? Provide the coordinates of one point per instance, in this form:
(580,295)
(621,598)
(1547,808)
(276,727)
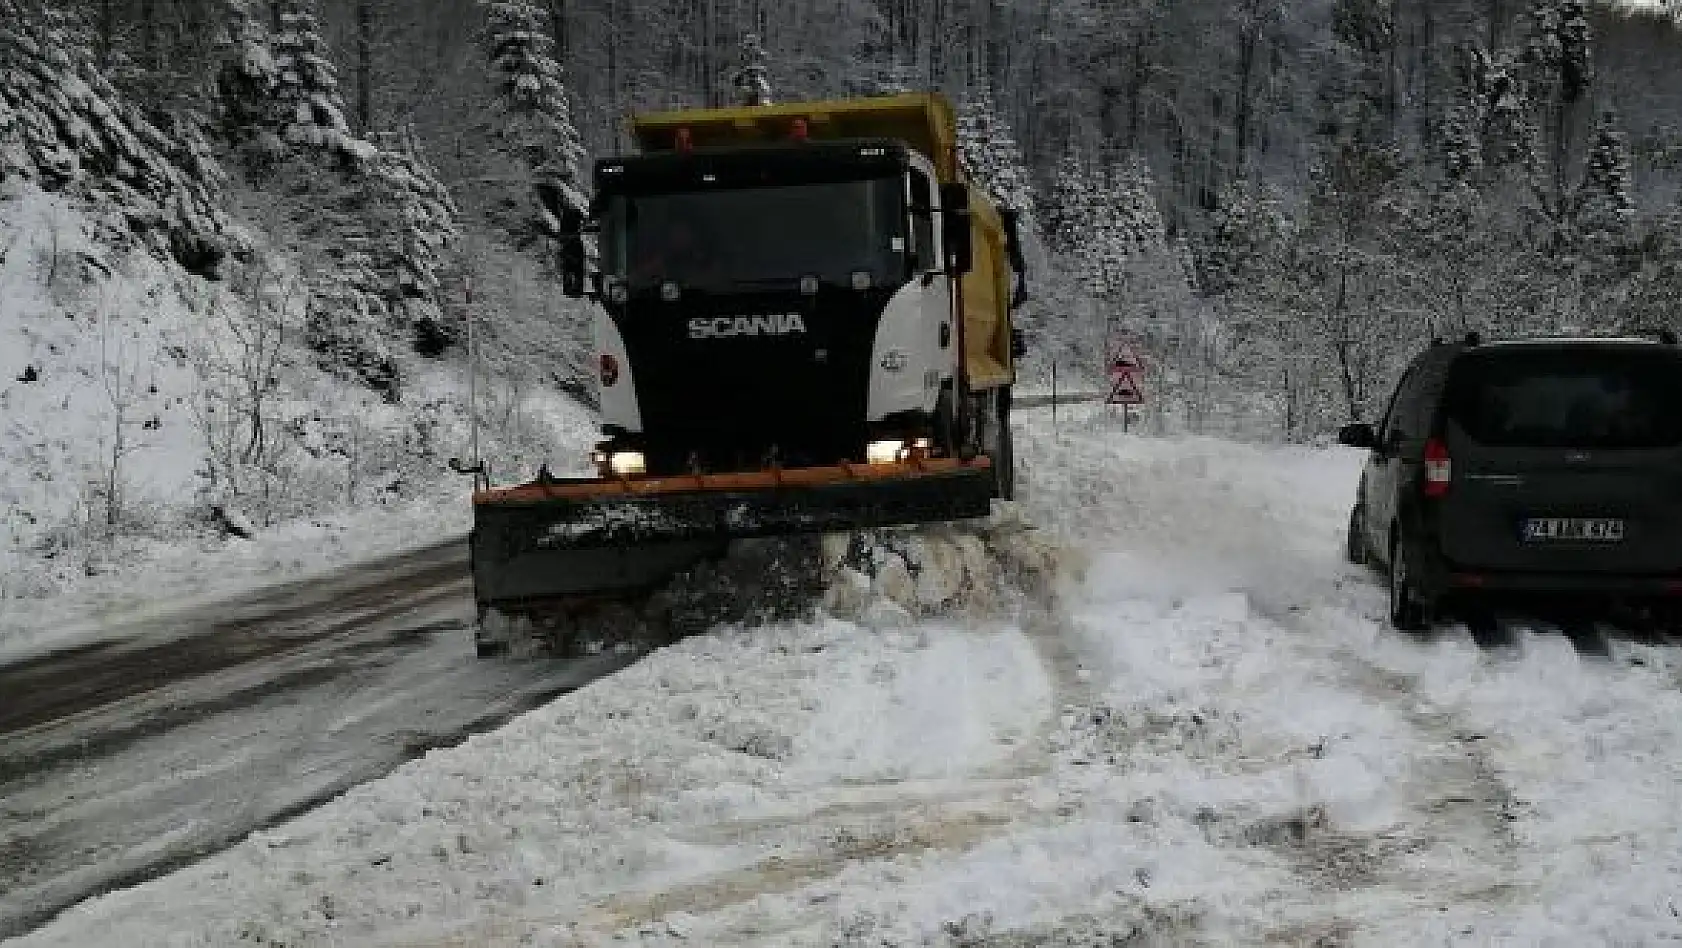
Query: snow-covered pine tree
(1068,212)
(535,126)
(372,222)
(246,78)
(991,157)
(1576,40)
(1654,300)
(1134,215)
(1558,57)
(1491,129)
(1598,251)
(1605,205)
(753,80)
(1248,236)
(309,109)
(1099,224)
(378,232)
(1560,46)
(1126,227)
(65,127)
(1107,237)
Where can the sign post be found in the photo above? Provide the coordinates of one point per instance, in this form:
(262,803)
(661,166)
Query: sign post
(1127,385)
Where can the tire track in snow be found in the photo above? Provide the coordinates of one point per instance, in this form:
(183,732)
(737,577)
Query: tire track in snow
(884,836)
(905,818)
(1463,812)
(949,816)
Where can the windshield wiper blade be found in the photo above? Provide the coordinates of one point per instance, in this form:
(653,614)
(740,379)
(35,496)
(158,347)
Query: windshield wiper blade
(761,283)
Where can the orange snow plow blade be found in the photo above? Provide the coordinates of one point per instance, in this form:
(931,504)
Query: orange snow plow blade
(583,488)
(581,536)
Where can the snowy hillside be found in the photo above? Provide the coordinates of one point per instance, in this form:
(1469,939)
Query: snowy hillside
(137,399)
(224,311)
(1200,736)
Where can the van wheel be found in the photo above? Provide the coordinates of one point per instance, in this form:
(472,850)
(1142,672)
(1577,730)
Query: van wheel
(1407,613)
(1355,546)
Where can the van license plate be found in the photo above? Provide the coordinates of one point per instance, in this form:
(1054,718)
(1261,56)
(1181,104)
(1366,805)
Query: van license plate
(1593,530)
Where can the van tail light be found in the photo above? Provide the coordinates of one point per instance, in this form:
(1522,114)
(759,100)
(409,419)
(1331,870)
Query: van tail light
(1439,470)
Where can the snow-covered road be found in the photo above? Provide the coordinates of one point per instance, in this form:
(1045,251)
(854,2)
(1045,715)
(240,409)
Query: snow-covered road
(163,742)
(1197,733)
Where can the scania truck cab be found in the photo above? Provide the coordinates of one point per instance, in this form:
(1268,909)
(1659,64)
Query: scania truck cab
(802,324)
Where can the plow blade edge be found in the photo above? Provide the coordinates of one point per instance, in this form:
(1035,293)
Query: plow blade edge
(581,537)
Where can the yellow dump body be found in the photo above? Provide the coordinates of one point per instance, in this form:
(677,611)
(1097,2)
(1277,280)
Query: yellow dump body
(926,123)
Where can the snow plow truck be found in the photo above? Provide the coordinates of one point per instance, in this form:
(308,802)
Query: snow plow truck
(802,324)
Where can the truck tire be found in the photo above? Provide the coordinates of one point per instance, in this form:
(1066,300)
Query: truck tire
(1004,463)
(993,438)
(945,425)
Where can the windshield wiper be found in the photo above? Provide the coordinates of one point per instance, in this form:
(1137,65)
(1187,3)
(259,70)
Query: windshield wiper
(767,283)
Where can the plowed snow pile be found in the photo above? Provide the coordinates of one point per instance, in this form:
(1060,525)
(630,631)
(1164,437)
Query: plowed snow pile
(1150,706)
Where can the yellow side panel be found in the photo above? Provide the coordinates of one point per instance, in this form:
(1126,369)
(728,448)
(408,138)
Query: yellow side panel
(986,300)
(925,121)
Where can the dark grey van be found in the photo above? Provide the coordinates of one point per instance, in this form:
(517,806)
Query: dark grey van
(1545,467)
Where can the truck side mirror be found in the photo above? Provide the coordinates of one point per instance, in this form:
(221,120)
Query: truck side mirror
(1018,343)
(549,195)
(1013,250)
(955,229)
(572,252)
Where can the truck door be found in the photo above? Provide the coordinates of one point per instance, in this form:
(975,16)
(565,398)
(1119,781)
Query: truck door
(916,344)
(930,279)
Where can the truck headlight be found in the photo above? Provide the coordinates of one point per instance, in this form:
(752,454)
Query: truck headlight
(621,463)
(884,452)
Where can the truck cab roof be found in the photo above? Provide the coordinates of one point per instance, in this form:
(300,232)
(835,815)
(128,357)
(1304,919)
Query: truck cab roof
(746,165)
(924,121)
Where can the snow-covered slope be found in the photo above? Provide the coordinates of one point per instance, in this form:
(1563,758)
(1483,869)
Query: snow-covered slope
(1207,738)
(97,343)
(83,331)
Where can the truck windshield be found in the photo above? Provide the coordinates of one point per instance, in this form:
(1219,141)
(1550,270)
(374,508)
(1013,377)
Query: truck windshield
(756,238)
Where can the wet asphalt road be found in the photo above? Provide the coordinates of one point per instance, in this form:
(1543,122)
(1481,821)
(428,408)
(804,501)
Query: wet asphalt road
(176,737)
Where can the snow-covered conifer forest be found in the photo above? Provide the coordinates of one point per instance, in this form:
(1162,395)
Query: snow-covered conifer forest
(241,240)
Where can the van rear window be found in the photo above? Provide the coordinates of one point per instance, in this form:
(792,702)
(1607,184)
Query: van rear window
(1569,398)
